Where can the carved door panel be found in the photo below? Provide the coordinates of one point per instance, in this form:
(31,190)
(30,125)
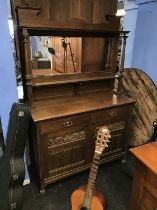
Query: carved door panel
(64,151)
(117,144)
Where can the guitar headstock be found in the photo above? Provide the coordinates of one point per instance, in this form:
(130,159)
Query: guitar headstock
(102,139)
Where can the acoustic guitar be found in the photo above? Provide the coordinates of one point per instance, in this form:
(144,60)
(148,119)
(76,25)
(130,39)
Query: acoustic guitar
(87,198)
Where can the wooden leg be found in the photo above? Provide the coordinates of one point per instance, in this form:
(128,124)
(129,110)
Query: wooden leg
(42,188)
(42,191)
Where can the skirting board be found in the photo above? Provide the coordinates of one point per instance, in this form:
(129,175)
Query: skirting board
(26,181)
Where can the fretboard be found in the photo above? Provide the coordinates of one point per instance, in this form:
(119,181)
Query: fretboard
(91,182)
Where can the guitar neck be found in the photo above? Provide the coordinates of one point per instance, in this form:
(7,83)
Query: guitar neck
(91,181)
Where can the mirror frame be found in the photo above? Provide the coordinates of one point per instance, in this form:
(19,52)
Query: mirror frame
(28,32)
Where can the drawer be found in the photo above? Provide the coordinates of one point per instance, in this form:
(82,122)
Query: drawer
(109,114)
(68,122)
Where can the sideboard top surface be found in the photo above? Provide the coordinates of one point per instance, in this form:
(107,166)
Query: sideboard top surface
(147,155)
(50,109)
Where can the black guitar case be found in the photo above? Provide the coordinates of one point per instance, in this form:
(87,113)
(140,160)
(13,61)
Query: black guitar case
(12,169)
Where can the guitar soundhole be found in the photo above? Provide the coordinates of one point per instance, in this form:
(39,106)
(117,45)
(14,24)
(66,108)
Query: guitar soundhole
(83,208)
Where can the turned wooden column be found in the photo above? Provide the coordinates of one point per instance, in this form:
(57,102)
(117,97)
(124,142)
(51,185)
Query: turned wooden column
(119,75)
(28,64)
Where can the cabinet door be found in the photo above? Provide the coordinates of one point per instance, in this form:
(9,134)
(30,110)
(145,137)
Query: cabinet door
(117,145)
(64,152)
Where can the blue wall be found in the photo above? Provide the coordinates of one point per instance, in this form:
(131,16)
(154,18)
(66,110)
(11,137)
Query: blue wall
(145,43)
(141,50)
(8,90)
(143,1)
(131,10)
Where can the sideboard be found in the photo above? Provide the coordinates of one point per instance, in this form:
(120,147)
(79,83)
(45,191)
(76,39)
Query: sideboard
(64,133)
(81,91)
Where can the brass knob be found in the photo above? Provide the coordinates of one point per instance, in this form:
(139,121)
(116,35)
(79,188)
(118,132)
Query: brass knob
(112,113)
(68,124)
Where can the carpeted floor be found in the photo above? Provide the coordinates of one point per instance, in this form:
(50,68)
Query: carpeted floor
(114,180)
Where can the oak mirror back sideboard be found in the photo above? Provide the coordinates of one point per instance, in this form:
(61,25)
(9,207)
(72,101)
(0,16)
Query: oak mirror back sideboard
(69,70)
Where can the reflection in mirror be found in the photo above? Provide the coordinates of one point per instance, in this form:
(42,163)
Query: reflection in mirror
(55,55)
(58,55)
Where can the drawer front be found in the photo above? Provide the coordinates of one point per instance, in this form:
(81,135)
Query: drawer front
(68,122)
(109,114)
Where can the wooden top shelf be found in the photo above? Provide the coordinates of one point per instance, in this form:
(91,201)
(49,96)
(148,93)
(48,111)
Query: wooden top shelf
(78,104)
(147,154)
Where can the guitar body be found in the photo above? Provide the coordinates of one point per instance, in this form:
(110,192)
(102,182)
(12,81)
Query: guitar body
(98,202)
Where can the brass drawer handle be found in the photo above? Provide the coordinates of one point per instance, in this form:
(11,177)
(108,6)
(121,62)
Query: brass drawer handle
(112,113)
(68,124)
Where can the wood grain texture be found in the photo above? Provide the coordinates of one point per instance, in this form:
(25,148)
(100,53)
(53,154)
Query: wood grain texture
(147,155)
(138,84)
(144,189)
(66,10)
(80,104)
(68,109)
(64,142)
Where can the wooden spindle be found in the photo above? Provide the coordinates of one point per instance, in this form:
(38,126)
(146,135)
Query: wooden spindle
(28,64)
(119,75)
